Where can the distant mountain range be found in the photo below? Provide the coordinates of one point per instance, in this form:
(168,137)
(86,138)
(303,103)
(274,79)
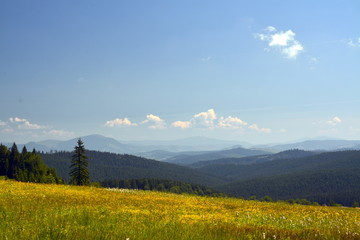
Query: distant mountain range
(188,150)
(153,149)
(288,154)
(314,145)
(194,157)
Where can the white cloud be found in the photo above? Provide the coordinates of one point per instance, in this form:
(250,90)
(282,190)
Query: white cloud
(23,127)
(354,43)
(181,124)
(24,123)
(157,122)
(334,121)
(285,42)
(231,122)
(258,129)
(2,123)
(205,119)
(282,38)
(120,122)
(293,51)
(271,29)
(210,120)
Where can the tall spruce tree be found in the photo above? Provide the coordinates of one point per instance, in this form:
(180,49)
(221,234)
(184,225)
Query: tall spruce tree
(13,168)
(79,173)
(4,161)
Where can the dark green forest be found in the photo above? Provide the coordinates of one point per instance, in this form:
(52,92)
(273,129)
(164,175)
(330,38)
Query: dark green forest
(25,166)
(105,166)
(325,187)
(318,162)
(326,178)
(249,160)
(162,186)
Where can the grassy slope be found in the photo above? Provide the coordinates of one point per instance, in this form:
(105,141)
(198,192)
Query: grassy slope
(38,211)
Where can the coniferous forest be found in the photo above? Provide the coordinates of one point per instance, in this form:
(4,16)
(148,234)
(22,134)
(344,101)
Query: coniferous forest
(25,166)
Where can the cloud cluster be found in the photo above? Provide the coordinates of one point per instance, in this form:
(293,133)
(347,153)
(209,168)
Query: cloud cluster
(204,120)
(24,123)
(334,121)
(181,124)
(231,122)
(120,122)
(285,42)
(155,121)
(354,43)
(22,127)
(210,120)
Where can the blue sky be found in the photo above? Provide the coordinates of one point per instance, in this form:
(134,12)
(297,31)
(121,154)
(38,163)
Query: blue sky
(255,71)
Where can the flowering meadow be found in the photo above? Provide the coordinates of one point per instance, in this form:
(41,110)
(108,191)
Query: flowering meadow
(46,211)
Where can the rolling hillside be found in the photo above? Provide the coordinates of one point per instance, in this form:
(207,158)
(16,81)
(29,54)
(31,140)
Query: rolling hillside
(190,158)
(340,186)
(256,159)
(104,166)
(318,162)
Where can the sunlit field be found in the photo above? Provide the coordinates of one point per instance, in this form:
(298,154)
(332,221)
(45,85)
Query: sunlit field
(40,211)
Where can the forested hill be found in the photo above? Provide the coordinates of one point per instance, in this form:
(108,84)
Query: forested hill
(318,162)
(188,159)
(104,166)
(288,154)
(325,187)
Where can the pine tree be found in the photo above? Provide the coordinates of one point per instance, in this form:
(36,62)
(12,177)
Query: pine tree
(79,174)
(13,162)
(24,150)
(4,161)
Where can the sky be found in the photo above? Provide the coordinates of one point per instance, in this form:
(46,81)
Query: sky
(254,71)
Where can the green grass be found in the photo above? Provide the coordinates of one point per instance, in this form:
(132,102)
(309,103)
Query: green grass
(40,211)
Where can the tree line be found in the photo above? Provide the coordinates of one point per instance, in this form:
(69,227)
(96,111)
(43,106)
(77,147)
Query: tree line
(25,166)
(162,185)
(29,167)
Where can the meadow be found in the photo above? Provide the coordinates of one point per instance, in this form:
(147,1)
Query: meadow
(47,211)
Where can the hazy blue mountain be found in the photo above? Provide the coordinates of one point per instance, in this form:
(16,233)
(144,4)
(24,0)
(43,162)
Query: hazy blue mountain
(159,155)
(51,144)
(190,158)
(98,143)
(154,149)
(256,159)
(29,146)
(92,142)
(315,145)
(196,143)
